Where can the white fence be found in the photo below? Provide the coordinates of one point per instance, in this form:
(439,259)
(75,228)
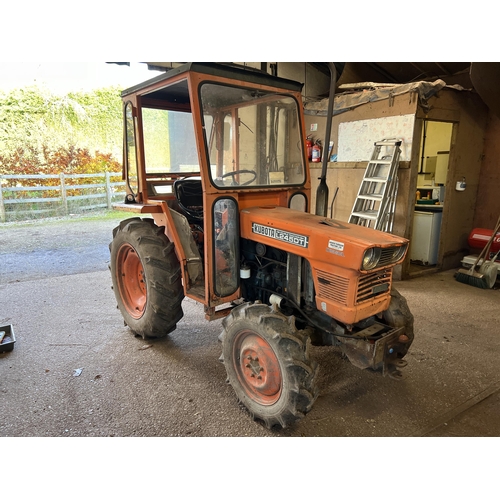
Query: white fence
(33,196)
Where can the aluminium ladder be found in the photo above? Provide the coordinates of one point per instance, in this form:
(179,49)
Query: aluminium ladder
(376,200)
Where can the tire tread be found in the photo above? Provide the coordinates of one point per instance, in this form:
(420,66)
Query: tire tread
(162,274)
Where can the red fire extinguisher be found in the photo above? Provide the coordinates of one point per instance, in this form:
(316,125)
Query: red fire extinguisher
(309,147)
(316,152)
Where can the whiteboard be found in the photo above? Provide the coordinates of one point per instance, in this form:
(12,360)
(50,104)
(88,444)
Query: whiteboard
(356,139)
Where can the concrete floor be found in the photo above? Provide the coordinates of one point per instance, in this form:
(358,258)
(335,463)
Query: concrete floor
(176,386)
(55,290)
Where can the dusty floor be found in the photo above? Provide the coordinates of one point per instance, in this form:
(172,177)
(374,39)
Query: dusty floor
(77,371)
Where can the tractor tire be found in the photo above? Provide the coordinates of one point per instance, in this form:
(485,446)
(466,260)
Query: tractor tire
(398,314)
(267,363)
(146,278)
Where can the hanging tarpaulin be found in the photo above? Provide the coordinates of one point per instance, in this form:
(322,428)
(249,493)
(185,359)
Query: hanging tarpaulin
(357,94)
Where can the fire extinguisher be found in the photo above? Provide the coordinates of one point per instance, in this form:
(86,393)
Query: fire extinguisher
(309,147)
(316,152)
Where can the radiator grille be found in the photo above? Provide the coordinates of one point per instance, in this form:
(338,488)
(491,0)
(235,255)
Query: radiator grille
(371,285)
(374,284)
(332,287)
(386,256)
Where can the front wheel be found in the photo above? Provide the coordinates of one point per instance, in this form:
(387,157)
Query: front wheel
(398,314)
(146,278)
(267,362)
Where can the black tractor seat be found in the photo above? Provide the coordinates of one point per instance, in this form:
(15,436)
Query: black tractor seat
(189,196)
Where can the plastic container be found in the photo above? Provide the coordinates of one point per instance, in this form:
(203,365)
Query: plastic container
(478,238)
(9,338)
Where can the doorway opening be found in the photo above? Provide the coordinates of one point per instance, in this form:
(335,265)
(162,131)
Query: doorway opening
(435,146)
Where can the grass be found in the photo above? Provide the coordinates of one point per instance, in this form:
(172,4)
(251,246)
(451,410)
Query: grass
(100,215)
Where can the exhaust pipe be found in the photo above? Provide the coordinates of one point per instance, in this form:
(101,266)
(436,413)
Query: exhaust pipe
(322,192)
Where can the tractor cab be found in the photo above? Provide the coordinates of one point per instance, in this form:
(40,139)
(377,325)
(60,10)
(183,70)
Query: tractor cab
(208,141)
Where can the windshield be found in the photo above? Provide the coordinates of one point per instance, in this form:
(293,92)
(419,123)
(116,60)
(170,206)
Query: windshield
(253,137)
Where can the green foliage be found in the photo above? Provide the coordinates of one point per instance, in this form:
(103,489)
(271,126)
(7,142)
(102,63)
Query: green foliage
(68,160)
(42,133)
(79,161)
(33,119)
(64,160)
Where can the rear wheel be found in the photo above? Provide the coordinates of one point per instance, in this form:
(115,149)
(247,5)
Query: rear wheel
(267,363)
(146,278)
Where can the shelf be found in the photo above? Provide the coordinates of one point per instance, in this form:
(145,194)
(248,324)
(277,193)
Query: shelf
(429,208)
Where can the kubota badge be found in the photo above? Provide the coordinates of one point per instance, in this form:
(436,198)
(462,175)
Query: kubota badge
(279,234)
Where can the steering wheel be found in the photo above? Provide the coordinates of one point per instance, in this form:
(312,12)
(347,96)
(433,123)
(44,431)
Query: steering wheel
(234,173)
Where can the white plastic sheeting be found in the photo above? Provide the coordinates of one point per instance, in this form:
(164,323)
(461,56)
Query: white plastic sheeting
(363,93)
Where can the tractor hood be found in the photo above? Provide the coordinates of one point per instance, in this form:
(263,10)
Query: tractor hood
(318,238)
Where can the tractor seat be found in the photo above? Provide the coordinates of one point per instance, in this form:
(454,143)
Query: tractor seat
(189,195)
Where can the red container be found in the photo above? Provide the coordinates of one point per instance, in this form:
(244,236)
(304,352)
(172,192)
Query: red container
(478,239)
(316,153)
(309,147)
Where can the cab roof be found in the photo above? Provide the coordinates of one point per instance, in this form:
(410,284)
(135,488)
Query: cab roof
(222,70)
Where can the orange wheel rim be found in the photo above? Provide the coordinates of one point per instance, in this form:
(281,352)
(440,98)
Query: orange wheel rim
(257,367)
(131,282)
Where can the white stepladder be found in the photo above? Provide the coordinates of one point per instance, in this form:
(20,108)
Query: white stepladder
(375,203)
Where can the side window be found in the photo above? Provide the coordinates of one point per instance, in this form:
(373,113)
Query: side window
(169,141)
(298,202)
(226,250)
(130,150)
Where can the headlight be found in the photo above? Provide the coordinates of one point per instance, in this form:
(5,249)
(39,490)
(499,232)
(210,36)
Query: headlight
(398,253)
(381,257)
(371,258)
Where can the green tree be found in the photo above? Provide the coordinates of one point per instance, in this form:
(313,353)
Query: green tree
(33,119)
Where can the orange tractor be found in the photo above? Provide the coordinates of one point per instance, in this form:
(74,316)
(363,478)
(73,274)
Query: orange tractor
(215,156)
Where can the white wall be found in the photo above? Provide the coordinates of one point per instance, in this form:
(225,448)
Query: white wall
(357,138)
